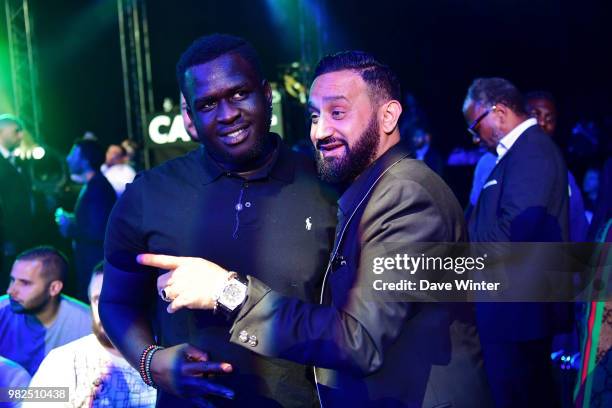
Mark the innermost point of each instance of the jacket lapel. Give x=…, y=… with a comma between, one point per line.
x=358, y=192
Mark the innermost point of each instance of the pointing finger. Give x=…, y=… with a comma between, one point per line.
x=159, y=261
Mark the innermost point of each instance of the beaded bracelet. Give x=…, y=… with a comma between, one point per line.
x=145, y=364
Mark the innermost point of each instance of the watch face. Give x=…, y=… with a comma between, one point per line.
x=233, y=294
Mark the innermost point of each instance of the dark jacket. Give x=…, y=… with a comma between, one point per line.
x=525, y=199
x=16, y=219
x=91, y=212
x=371, y=352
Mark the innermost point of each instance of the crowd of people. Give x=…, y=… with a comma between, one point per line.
x=234, y=274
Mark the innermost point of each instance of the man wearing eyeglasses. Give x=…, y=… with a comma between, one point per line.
x=524, y=199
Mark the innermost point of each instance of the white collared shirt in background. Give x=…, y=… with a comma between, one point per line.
x=507, y=141
x=119, y=175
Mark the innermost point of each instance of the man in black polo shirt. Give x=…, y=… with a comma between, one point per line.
x=371, y=346
x=244, y=200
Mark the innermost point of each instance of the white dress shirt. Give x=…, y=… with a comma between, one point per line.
x=507, y=141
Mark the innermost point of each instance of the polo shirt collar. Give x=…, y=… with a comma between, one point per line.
x=281, y=167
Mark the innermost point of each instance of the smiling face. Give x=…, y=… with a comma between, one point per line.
x=344, y=127
x=230, y=106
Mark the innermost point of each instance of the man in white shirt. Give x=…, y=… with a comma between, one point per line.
x=12, y=375
x=93, y=370
x=117, y=168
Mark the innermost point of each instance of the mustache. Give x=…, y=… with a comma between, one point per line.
x=327, y=141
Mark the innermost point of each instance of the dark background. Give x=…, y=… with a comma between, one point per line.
x=436, y=47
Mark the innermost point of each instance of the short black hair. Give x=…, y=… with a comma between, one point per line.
x=545, y=95
x=210, y=47
x=491, y=91
x=382, y=81
x=92, y=152
x=54, y=262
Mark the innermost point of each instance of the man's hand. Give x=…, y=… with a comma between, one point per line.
x=64, y=221
x=193, y=283
x=183, y=370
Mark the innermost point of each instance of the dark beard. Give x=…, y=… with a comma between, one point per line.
x=356, y=159
x=18, y=308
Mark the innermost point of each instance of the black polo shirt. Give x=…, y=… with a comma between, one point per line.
x=276, y=225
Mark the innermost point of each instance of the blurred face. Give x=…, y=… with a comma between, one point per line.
x=344, y=127
x=114, y=155
x=545, y=113
x=28, y=290
x=419, y=138
x=230, y=108
x=591, y=181
x=487, y=128
x=75, y=161
x=10, y=136
x=95, y=288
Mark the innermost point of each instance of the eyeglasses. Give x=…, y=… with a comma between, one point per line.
x=472, y=128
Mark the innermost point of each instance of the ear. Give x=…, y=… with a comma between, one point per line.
x=56, y=287
x=267, y=91
x=500, y=112
x=390, y=113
